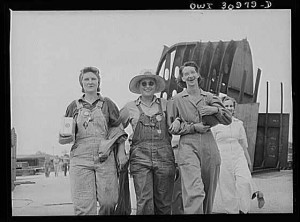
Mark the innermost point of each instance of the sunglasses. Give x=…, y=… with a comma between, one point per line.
x=149, y=83
x=90, y=69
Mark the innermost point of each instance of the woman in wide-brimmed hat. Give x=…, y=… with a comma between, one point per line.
x=93, y=170
x=152, y=162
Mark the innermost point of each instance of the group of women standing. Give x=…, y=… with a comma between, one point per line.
x=99, y=143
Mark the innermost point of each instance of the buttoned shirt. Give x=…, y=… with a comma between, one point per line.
x=130, y=113
x=181, y=106
x=109, y=109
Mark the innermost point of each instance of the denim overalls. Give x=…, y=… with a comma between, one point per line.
x=152, y=164
x=92, y=181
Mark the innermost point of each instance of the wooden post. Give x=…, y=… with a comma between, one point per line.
x=242, y=89
x=256, y=85
x=280, y=125
x=219, y=83
x=266, y=126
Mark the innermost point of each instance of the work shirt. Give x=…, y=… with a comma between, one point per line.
x=109, y=109
x=130, y=112
x=182, y=107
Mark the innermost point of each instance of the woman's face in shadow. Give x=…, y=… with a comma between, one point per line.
x=229, y=105
x=147, y=87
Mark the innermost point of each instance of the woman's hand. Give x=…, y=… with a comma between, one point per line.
x=200, y=128
x=208, y=110
x=63, y=139
x=175, y=126
x=65, y=135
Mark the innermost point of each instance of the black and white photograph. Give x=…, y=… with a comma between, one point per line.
x=151, y=112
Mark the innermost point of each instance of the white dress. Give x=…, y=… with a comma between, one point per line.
x=235, y=186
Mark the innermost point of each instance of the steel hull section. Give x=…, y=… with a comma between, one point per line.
x=221, y=65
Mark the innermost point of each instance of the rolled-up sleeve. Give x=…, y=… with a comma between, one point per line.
x=223, y=115
x=123, y=136
x=115, y=120
x=71, y=110
x=185, y=128
x=124, y=117
x=114, y=113
x=173, y=114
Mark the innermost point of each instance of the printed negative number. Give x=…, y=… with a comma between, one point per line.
x=201, y=6
x=250, y=4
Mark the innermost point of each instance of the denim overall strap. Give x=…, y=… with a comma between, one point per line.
x=91, y=124
x=137, y=128
x=79, y=106
x=164, y=127
x=99, y=104
x=150, y=128
x=140, y=109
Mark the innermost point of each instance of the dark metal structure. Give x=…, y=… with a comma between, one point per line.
x=35, y=164
x=227, y=68
x=271, y=149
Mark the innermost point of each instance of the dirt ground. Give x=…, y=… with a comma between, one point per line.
x=40, y=196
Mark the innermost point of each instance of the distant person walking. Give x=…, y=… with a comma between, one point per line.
x=65, y=164
x=56, y=165
x=47, y=166
x=61, y=168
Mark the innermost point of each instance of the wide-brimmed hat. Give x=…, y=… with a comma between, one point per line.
x=146, y=73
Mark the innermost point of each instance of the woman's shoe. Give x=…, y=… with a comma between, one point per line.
x=260, y=199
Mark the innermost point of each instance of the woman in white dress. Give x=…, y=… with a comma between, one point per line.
x=235, y=187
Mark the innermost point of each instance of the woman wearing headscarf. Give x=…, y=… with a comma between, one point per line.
x=152, y=162
x=235, y=186
x=93, y=171
x=191, y=113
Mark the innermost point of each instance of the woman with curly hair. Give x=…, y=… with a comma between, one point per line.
x=97, y=130
x=191, y=114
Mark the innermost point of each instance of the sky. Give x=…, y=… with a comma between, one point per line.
x=49, y=48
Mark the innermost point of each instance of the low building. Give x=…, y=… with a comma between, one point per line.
x=29, y=164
